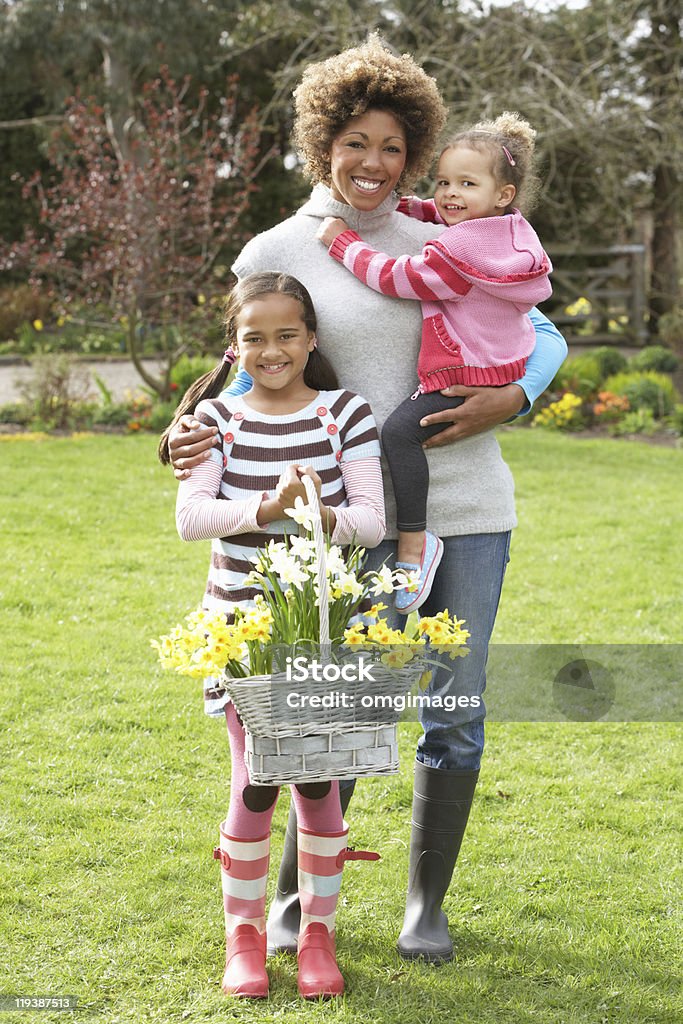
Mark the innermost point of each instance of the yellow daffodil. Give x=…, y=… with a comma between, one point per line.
x=397, y=657
x=354, y=636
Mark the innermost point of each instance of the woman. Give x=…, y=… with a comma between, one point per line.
x=367, y=123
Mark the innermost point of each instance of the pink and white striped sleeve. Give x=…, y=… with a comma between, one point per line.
x=363, y=521
x=201, y=515
x=420, y=209
x=428, y=276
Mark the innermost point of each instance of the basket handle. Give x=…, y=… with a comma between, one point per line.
x=321, y=558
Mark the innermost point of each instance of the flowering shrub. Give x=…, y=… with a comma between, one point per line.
x=140, y=411
x=610, y=360
x=56, y=392
x=21, y=304
x=655, y=357
x=588, y=319
x=610, y=407
x=581, y=375
x=26, y=435
x=147, y=413
x=565, y=414
x=187, y=370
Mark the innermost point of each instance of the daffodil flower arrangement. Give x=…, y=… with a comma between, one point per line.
x=561, y=415
x=287, y=612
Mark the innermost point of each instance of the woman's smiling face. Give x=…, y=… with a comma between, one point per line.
x=367, y=159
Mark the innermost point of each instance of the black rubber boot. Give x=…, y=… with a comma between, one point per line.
x=441, y=807
x=284, y=916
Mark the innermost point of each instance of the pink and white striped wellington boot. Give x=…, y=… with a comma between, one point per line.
x=244, y=874
x=321, y=859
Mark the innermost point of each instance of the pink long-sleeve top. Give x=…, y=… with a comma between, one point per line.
x=201, y=516
x=476, y=283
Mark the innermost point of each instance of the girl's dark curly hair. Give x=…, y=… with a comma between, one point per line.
x=366, y=77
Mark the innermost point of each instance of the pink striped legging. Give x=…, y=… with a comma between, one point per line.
x=251, y=807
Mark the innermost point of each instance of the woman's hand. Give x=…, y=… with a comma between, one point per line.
x=330, y=228
x=189, y=444
x=482, y=409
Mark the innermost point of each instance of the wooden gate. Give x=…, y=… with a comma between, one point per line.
x=612, y=280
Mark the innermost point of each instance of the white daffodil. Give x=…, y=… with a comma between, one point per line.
x=274, y=547
x=348, y=584
x=384, y=582
x=281, y=561
x=335, y=561
x=302, y=548
x=289, y=570
x=302, y=513
x=407, y=580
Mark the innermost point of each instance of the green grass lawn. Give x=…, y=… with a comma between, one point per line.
x=112, y=782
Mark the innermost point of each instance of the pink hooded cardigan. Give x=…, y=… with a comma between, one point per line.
x=476, y=282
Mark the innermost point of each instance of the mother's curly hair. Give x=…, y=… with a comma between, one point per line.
x=364, y=77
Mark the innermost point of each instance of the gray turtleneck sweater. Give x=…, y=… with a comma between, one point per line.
x=373, y=342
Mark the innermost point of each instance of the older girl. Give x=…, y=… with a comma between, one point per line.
x=294, y=421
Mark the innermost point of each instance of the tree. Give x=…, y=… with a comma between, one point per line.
x=601, y=83
x=662, y=61
x=602, y=86
x=49, y=49
x=138, y=233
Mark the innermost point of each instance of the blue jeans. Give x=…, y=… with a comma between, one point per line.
x=468, y=583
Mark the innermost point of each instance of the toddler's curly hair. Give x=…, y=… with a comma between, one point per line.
x=511, y=132
x=365, y=77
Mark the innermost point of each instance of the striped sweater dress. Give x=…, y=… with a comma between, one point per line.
x=253, y=449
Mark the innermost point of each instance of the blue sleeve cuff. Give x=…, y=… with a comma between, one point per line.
x=240, y=383
x=542, y=365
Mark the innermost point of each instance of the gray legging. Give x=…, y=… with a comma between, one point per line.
x=402, y=440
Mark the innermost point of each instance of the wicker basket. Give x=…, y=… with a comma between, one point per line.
x=296, y=744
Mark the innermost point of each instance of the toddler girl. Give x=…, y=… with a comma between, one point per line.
x=476, y=282
x=293, y=422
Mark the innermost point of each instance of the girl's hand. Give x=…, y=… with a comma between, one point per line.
x=327, y=513
x=330, y=228
x=189, y=444
x=317, y=482
x=482, y=409
x=289, y=487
